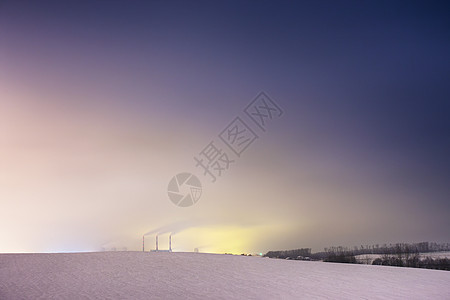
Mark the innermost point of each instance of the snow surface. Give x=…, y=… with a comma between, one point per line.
x=139, y=275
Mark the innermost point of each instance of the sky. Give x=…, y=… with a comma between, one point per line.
x=102, y=103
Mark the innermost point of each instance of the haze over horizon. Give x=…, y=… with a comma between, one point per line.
x=102, y=103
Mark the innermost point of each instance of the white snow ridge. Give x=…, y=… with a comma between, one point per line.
x=139, y=275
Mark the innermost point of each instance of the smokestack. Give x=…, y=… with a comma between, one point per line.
x=170, y=243
x=143, y=245
x=156, y=243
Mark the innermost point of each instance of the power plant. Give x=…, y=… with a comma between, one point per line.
x=156, y=244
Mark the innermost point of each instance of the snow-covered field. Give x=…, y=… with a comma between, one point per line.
x=138, y=275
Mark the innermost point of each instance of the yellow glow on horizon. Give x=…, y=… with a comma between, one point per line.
x=224, y=239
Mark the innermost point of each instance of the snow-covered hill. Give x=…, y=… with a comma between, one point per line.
x=138, y=275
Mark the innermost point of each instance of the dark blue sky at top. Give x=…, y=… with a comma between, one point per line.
x=363, y=79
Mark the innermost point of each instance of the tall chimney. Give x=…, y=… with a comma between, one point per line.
x=156, y=243
x=170, y=243
x=143, y=246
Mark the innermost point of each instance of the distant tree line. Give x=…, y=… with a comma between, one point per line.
x=413, y=262
x=406, y=256
x=422, y=247
x=400, y=254
x=292, y=254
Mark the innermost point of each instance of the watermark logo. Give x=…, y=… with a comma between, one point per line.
x=262, y=110
x=214, y=160
x=184, y=189
x=238, y=136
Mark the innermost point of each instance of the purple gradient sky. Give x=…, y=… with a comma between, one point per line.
x=102, y=103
